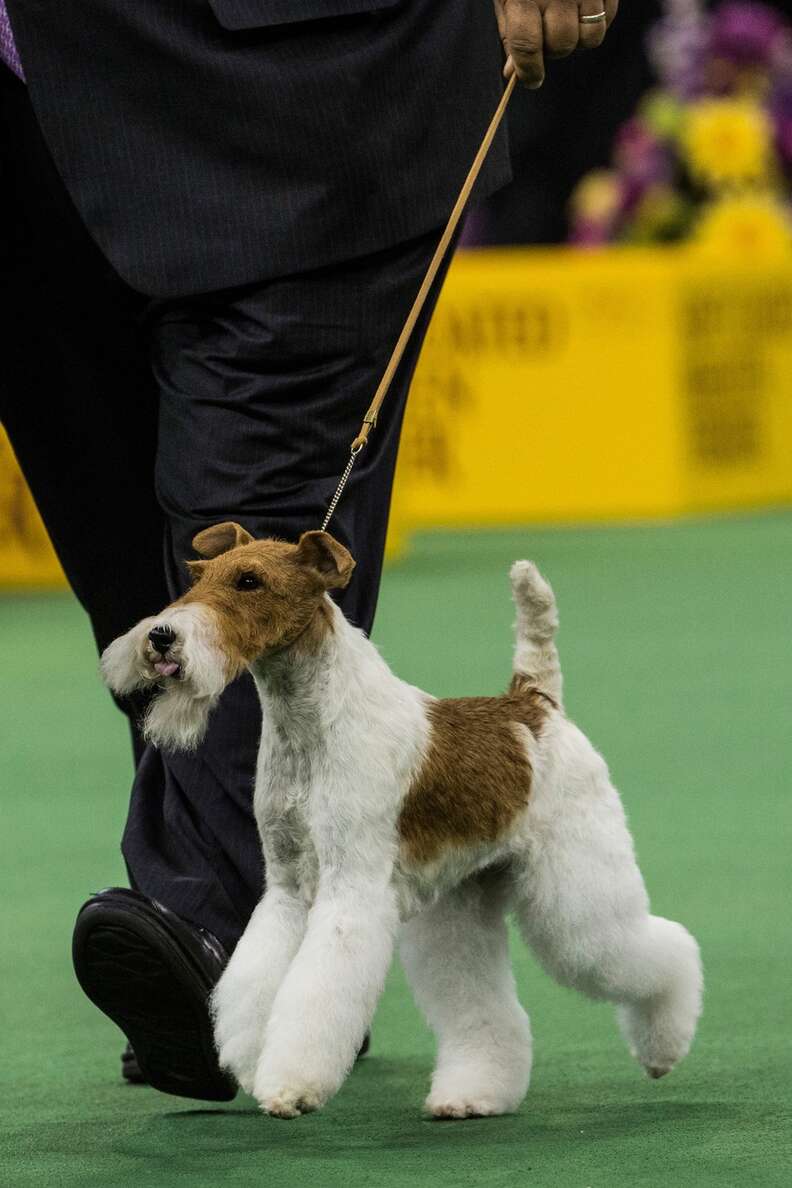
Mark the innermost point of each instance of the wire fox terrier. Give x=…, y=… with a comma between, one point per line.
x=384, y=811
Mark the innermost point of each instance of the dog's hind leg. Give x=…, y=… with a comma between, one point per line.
x=584, y=911
x=456, y=958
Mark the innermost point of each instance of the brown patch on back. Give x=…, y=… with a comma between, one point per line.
x=476, y=776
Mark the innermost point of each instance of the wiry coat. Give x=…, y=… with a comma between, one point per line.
x=387, y=813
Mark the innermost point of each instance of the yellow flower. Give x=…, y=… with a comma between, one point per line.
x=754, y=226
x=727, y=141
x=597, y=196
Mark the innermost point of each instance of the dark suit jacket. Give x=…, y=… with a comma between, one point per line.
x=209, y=143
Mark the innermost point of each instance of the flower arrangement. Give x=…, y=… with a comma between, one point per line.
x=708, y=154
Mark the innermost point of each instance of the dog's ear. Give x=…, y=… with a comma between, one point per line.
x=195, y=568
x=323, y=554
x=220, y=538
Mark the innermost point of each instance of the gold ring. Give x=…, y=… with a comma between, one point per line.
x=594, y=19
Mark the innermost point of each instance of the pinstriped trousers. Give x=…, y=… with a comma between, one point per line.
x=137, y=422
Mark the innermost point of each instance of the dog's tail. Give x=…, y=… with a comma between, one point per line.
x=535, y=654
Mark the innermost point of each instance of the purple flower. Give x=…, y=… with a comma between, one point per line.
x=746, y=32
x=781, y=111
x=678, y=47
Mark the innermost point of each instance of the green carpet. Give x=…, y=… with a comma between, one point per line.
x=676, y=649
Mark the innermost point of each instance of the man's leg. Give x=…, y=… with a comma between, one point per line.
x=262, y=389
x=77, y=397
x=80, y=407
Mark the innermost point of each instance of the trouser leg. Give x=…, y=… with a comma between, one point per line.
x=258, y=392
x=76, y=394
x=261, y=391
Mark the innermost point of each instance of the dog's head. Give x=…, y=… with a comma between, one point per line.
x=249, y=599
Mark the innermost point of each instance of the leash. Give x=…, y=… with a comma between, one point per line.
x=370, y=419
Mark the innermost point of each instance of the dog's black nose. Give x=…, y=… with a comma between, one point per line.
x=161, y=638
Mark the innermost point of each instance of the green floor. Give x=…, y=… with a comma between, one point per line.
x=676, y=648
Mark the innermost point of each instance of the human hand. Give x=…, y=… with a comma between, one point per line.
x=532, y=30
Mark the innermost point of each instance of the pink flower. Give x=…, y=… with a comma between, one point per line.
x=640, y=156
x=586, y=233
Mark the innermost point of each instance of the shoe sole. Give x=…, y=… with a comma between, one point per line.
x=136, y=970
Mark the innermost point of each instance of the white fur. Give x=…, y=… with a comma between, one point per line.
x=177, y=718
x=123, y=664
x=341, y=742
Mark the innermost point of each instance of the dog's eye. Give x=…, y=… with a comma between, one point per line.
x=247, y=581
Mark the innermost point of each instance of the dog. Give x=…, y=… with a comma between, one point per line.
x=386, y=813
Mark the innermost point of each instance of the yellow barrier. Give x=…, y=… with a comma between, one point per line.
x=26, y=555
x=561, y=386
x=556, y=385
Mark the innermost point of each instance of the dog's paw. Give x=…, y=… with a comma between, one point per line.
x=655, y=1071
x=238, y=1026
x=290, y=1101
x=659, y=1031
x=445, y=1108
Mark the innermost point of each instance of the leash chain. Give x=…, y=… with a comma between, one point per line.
x=370, y=419
x=342, y=483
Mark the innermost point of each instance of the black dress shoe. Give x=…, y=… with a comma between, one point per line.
x=152, y=973
x=130, y=1069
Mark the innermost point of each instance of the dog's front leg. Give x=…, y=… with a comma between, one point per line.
x=326, y=1001
x=243, y=997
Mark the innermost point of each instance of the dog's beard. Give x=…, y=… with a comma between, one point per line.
x=177, y=719
x=178, y=715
